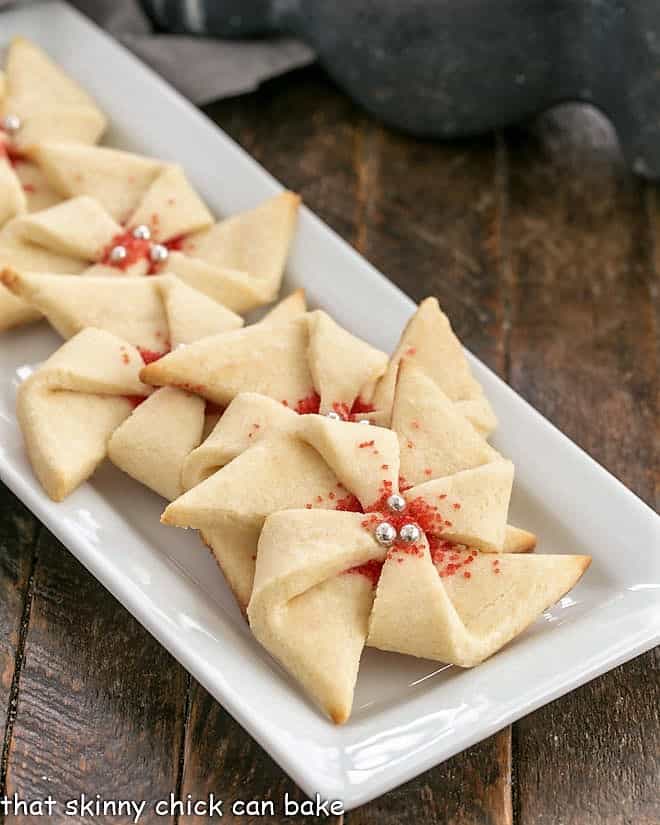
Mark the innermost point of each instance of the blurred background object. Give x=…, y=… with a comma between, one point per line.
x=434, y=69
x=443, y=69
x=201, y=68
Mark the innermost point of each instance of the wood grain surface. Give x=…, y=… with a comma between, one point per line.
x=100, y=702
x=583, y=347
x=546, y=255
x=18, y=533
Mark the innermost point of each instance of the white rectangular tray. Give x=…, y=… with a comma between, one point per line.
x=409, y=714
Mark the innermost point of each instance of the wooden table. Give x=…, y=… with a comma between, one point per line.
x=545, y=253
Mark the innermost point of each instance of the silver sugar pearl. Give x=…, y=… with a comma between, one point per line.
x=364, y=421
x=333, y=416
x=385, y=533
x=142, y=232
x=118, y=253
x=409, y=533
x=396, y=503
x=158, y=253
x=11, y=123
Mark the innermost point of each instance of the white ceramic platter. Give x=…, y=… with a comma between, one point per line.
x=409, y=714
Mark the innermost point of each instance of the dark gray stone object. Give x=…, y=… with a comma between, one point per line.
x=448, y=68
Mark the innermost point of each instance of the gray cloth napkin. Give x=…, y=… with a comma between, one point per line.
x=202, y=68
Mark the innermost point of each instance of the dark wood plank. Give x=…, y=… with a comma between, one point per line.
x=583, y=351
x=100, y=701
x=593, y=756
x=432, y=224
x=472, y=788
x=18, y=531
x=220, y=758
x=583, y=328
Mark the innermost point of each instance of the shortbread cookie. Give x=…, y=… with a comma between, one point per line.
x=428, y=342
x=294, y=361
x=423, y=541
x=263, y=448
x=41, y=102
x=325, y=586
x=80, y=235
x=38, y=101
x=70, y=406
x=436, y=438
x=154, y=314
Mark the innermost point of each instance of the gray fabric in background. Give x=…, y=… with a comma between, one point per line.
x=202, y=68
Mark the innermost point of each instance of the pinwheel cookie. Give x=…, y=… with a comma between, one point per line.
x=37, y=102
x=445, y=442
x=303, y=604
x=164, y=227
x=328, y=582
x=308, y=363
x=325, y=586
x=81, y=235
x=229, y=496
x=238, y=260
